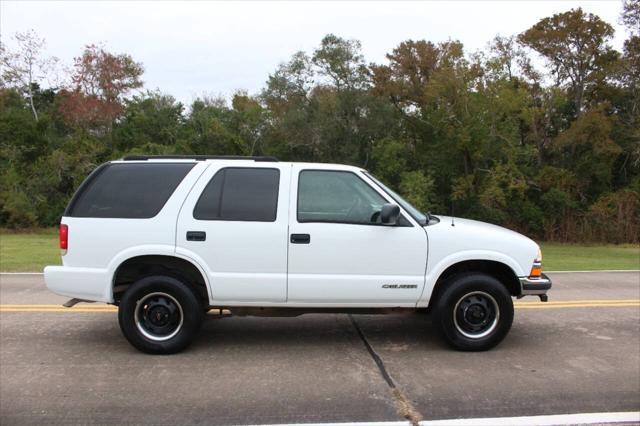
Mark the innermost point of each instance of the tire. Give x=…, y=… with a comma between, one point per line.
x=159, y=315
x=474, y=312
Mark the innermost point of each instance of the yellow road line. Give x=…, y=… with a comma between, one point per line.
x=578, y=304
x=63, y=310
x=56, y=308
x=105, y=306
x=565, y=302
x=556, y=304
x=99, y=306
x=574, y=305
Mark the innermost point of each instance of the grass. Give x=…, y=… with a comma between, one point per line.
x=28, y=252
x=573, y=257
x=32, y=251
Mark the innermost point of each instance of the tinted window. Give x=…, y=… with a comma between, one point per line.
x=243, y=194
x=335, y=196
x=128, y=191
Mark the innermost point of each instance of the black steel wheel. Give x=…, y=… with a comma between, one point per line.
x=474, y=312
x=159, y=315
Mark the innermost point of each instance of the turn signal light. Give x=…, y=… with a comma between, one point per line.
x=64, y=239
x=536, y=271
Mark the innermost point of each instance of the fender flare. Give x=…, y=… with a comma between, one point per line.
x=152, y=250
x=434, y=272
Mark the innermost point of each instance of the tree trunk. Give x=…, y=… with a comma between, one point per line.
x=33, y=107
x=579, y=100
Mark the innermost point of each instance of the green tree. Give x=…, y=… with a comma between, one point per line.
x=25, y=67
x=575, y=46
x=100, y=82
x=485, y=131
x=631, y=15
x=152, y=122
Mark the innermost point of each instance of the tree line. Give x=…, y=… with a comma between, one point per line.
x=539, y=132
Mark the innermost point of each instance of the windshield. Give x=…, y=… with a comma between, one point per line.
x=415, y=213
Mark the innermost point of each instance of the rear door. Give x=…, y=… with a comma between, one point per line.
x=234, y=222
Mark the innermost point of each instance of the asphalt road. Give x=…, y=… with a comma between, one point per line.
x=580, y=353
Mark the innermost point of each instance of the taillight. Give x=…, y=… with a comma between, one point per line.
x=64, y=238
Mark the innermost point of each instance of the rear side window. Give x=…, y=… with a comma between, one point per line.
x=240, y=194
x=128, y=191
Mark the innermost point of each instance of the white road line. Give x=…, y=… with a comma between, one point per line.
x=406, y=423
x=550, y=420
x=558, y=419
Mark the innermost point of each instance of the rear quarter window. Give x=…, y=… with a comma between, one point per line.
x=128, y=191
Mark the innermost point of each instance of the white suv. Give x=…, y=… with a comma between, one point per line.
x=167, y=238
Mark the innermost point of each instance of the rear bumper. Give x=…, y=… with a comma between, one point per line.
x=534, y=286
x=81, y=283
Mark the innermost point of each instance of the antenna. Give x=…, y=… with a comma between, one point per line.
x=452, y=217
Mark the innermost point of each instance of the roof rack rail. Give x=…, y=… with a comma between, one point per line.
x=198, y=157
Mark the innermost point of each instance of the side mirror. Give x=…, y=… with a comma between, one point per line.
x=389, y=214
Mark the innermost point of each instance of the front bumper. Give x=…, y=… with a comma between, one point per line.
x=535, y=286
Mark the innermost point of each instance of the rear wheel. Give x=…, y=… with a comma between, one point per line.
x=474, y=312
x=159, y=315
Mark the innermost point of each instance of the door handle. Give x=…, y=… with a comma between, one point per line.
x=196, y=236
x=300, y=238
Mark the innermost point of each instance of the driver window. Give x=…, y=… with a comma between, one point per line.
x=338, y=197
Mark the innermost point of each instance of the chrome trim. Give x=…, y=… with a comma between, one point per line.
x=493, y=325
x=526, y=281
x=148, y=334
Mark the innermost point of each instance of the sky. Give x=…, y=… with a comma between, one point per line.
x=190, y=49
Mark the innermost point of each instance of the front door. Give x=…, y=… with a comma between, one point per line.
x=234, y=223
x=339, y=252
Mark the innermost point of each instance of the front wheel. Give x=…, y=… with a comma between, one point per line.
x=159, y=315
x=474, y=312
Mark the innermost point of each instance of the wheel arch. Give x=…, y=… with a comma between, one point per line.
x=139, y=266
x=499, y=270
